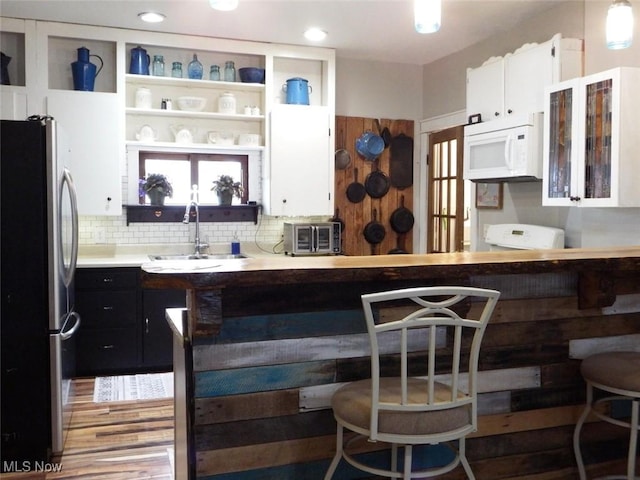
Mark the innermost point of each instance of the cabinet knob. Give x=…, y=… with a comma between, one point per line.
x=497, y=114
x=284, y=200
x=107, y=307
x=509, y=111
x=107, y=280
x=574, y=199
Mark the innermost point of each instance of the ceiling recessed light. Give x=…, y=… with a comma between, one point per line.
x=223, y=5
x=315, y=34
x=151, y=17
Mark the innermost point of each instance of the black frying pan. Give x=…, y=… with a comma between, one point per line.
x=402, y=218
x=384, y=133
x=374, y=231
x=377, y=183
x=399, y=248
x=355, y=190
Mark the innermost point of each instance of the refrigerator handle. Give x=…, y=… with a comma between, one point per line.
x=65, y=335
x=70, y=272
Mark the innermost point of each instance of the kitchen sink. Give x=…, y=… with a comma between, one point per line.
x=192, y=256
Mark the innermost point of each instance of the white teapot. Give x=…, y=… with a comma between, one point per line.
x=183, y=134
x=146, y=134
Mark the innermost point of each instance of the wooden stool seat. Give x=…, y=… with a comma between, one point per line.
x=617, y=373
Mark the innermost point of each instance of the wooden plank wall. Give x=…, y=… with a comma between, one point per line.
x=263, y=385
x=357, y=215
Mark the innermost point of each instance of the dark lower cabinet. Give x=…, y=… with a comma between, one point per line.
x=157, y=342
x=123, y=327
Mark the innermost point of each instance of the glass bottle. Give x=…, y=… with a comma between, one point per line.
x=229, y=71
x=214, y=73
x=194, y=69
x=176, y=70
x=158, y=65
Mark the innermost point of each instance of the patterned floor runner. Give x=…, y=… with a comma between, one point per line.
x=133, y=387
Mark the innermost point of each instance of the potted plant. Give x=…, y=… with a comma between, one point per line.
x=226, y=189
x=157, y=187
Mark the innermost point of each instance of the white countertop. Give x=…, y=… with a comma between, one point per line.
x=130, y=255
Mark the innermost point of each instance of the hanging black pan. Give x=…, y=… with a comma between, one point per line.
x=384, y=133
x=374, y=231
x=402, y=218
x=377, y=183
x=355, y=190
x=399, y=248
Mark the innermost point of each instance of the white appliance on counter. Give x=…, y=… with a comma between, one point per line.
x=508, y=150
x=520, y=236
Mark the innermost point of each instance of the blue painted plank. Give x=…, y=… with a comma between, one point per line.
x=290, y=325
x=214, y=383
x=424, y=456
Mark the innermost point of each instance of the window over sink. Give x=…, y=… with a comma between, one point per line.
x=186, y=169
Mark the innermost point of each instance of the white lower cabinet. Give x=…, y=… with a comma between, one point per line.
x=299, y=174
x=92, y=120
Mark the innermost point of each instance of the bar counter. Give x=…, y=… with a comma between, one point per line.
x=265, y=342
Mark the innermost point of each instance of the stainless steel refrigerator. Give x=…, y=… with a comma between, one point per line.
x=38, y=249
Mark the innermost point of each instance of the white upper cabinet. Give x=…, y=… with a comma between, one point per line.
x=104, y=121
x=514, y=84
x=92, y=121
x=591, y=141
x=300, y=179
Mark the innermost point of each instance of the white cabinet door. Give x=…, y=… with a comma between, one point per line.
x=527, y=72
x=591, y=141
x=13, y=104
x=300, y=180
x=92, y=121
x=485, y=90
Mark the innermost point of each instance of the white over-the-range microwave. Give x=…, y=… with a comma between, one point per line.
x=507, y=150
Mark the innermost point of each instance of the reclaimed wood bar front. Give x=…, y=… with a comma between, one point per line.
x=266, y=341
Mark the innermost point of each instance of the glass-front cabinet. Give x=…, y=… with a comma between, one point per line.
x=591, y=139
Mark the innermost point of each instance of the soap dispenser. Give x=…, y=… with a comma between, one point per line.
x=235, y=244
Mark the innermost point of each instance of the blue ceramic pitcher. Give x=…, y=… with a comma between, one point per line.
x=84, y=72
x=297, y=90
x=140, y=61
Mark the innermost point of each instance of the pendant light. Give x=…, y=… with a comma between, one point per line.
x=619, y=25
x=223, y=5
x=427, y=14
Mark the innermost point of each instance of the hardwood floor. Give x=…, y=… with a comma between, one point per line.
x=113, y=441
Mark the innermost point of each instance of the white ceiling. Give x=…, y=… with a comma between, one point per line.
x=365, y=29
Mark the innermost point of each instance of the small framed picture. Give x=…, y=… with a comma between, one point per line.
x=489, y=195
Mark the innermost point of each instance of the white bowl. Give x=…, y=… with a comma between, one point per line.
x=192, y=104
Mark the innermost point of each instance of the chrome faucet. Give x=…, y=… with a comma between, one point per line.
x=195, y=200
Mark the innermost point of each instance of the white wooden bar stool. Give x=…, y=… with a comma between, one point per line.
x=616, y=373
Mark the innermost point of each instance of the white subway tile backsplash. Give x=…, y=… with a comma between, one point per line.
x=114, y=230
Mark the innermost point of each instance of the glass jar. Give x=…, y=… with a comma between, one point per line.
x=194, y=69
x=214, y=73
x=158, y=65
x=227, y=103
x=229, y=71
x=176, y=70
